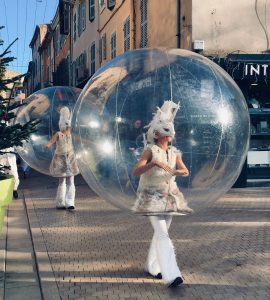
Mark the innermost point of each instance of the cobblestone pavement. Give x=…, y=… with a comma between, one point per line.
x=98, y=251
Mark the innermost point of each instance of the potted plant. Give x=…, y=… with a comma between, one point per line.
x=11, y=135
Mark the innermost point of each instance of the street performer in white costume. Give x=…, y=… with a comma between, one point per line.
x=64, y=164
x=158, y=195
x=8, y=159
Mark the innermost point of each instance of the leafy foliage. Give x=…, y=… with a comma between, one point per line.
x=11, y=135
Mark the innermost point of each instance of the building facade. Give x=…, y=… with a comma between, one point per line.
x=38, y=37
x=102, y=30
x=61, y=49
x=45, y=59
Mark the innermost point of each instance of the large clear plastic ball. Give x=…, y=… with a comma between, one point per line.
x=43, y=105
x=212, y=125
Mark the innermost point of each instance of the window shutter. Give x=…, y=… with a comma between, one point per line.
x=113, y=45
x=64, y=12
x=104, y=42
x=91, y=10
x=127, y=34
x=143, y=24
x=93, y=59
x=79, y=19
x=100, y=51
x=83, y=8
x=74, y=27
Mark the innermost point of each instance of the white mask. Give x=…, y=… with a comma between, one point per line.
x=65, y=118
x=163, y=121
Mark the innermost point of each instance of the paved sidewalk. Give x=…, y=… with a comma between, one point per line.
x=98, y=251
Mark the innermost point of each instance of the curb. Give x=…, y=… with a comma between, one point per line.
x=3, y=252
x=48, y=284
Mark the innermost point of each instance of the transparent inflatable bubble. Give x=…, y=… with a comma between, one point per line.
x=44, y=105
x=212, y=125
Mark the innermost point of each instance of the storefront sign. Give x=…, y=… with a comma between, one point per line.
x=246, y=66
x=256, y=69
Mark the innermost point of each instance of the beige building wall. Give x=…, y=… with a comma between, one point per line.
x=162, y=23
x=88, y=36
x=113, y=21
x=228, y=26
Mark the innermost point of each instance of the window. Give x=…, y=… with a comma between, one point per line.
x=48, y=73
x=81, y=17
x=111, y=4
x=83, y=14
x=92, y=59
x=100, y=51
x=113, y=45
x=49, y=51
x=91, y=10
x=126, y=34
x=101, y=3
x=74, y=28
x=64, y=13
x=143, y=24
x=62, y=40
x=104, y=46
x=79, y=11
x=57, y=40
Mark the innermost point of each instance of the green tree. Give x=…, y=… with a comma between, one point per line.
x=11, y=134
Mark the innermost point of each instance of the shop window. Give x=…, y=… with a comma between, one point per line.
x=143, y=23
x=126, y=34
x=113, y=45
x=91, y=10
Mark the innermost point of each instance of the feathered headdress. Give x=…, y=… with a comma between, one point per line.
x=162, y=121
x=65, y=118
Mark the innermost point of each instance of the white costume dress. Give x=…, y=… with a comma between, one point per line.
x=64, y=162
x=64, y=165
x=158, y=192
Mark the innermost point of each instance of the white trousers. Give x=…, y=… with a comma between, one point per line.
x=65, y=196
x=161, y=257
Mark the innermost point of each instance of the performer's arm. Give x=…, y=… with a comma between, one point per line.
x=51, y=141
x=181, y=169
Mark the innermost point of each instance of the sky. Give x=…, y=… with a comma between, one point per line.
x=20, y=18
